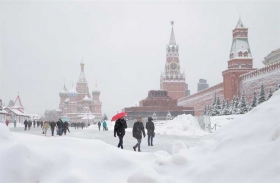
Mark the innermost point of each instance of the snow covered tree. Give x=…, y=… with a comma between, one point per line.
x=205, y=110
x=104, y=117
x=215, y=99
x=226, y=110
x=261, y=98
x=235, y=105
x=270, y=94
x=243, y=105
x=254, y=102
x=224, y=104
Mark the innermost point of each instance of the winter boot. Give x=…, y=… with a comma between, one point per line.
x=134, y=148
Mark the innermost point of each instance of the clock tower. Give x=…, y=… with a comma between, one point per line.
x=172, y=79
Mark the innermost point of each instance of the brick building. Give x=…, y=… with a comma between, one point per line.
x=158, y=102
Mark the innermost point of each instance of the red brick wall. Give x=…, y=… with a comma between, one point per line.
x=269, y=76
x=175, y=90
x=202, y=98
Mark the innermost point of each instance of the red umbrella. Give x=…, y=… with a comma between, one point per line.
x=118, y=116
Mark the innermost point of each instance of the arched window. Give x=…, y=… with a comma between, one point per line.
x=245, y=54
x=240, y=54
x=173, y=49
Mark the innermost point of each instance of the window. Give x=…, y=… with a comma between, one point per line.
x=240, y=54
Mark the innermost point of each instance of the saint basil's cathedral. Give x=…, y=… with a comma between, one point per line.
x=78, y=104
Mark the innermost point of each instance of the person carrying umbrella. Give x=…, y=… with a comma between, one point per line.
x=120, y=127
x=138, y=129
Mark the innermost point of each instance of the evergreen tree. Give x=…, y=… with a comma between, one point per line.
x=227, y=110
x=235, y=107
x=270, y=94
x=261, y=98
x=105, y=118
x=254, y=102
x=215, y=99
x=243, y=104
x=224, y=104
x=205, y=110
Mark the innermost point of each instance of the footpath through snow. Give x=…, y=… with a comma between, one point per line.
x=245, y=150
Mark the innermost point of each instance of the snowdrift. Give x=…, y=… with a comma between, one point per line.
x=245, y=150
x=184, y=124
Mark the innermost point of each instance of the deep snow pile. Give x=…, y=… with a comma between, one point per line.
x=184, y=124
x=246, y=150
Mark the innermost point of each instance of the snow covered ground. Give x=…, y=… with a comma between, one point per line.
x=220, y=121
x=245, y=150
x=185, y=125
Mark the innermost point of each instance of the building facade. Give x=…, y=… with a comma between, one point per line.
x=77, y=104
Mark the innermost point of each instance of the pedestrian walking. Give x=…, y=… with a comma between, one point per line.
x=104, y=124
x=119, y=130
x=150, y=126
x=138, y=129
x=60, y=127
x=65, y=127
x=99, y=124
x=82, y=124
x=41, y=124
x=15, y=123
x=25, y=124
x=38, y=124
x=7, y=122
x=34, y=123
x=52, y=127
x=45, y=128
x=29, y=124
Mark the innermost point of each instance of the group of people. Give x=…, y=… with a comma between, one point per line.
x=61, y=127
x=137, y=131
x=104, y=125
x=29, y=124
x=78, y=125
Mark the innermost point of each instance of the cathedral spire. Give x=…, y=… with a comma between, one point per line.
x=172, y=40
x=239, y=23
x=82, y=77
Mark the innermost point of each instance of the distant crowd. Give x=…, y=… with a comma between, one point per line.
x=59, y=126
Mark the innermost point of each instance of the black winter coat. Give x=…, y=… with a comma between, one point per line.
x=52, y=125
x=120, y=127
x=150, y=126
x=138, y=129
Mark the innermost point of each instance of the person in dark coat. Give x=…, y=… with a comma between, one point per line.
x=150, y=126
x=52, y=127
x=41, y=124
x=119, y=130
x=138, y=129
x=65, y=127
x=34, y=123
x=38, y=122
x=29, y=124
x=60, y=127
x=82, y=125
x=25, y=124
x=99, y=124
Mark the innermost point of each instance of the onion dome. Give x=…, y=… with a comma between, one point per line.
x=95, y=90
x=64, y=92
x=72, y=93
x=86, y=99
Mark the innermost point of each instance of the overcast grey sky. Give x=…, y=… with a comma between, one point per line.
x=123, y=46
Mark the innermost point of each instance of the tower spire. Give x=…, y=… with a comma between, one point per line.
x=172, y=40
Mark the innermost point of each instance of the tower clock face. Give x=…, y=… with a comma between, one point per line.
x=173, y=66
